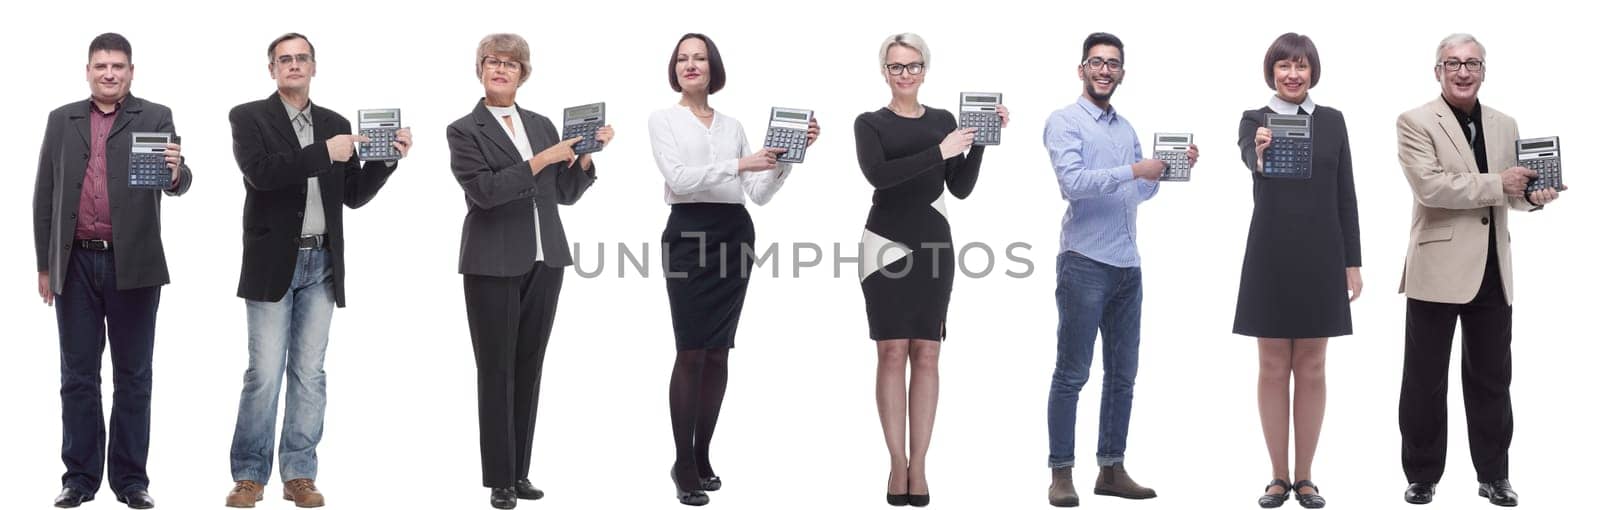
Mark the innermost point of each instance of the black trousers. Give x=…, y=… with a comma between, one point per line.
x=510, y=320
x=1485, y=381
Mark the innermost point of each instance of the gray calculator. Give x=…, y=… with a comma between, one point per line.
x=584, y=121
x=981, y=111
x=379, y=126
x=1289, y=155
x=786, y=129
x=1173, y=149
x=147, y=161
x=1543, y=156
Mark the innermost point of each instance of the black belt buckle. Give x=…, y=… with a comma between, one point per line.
x=95, y=244
x=314, y=242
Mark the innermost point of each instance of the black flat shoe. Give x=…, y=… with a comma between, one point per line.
x=504, y=499
x=695, y=497
x=899, y=499
x=1499, y=493
x=1270, y=500
x=710, y=483
x=1419, y=493
x=1312, y=500
x=918, y=500
x=137, y=498
x=526, y=490
x=71, y=497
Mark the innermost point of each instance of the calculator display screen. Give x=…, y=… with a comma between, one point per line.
x=980, y=99
x=1289, y=122
x=585, y=111
x=1538, y=145
x=150, y=139
x=381, y=116
x=1173, y=139
x=790, y=115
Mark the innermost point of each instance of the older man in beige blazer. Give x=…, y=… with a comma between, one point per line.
x=1460, y=159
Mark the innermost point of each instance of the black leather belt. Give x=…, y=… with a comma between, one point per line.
x=93, y=244
x=315, y=242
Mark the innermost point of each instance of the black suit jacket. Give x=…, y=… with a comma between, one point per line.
x=135, y=213
x=275, y=172
x=502, y=193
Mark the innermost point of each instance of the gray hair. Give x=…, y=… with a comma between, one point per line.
x=1454, y=40
x=511, y=45
x=907, y=40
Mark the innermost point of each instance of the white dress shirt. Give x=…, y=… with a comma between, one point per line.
x=701, y=164
x=519, y=137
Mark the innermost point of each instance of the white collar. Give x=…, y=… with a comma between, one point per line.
x=1278, y=105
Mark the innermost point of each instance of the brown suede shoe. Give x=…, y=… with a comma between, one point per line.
x=1114, y=481
x=303, y=492
x=1061, y=491
x=245, y=494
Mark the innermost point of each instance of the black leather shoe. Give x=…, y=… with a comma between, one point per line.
x=1312, y=500
x=1499, y=493
x=137, y=497
x=694, y=497
x=1420, y=493
x=526, y=490
x=918, y=500
x=1270, y=500
x=899, y=499
x=71, y=497
x=710, y=483
x=504, y=499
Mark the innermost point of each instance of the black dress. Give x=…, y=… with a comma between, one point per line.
x=1303, y=234
x=908, y=294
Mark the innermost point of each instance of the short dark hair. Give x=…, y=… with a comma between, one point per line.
x=1102, y=38
x=1292, y=47
x=718, y=75
x=290, y=37
x=111, y=41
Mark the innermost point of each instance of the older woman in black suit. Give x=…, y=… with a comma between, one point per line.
x=514, y=169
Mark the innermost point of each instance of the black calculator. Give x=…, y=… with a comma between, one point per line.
x=1173, y=149
x=584, y=121
x=1289, y=155
x=981, y=111
x=147, y=161
x=786, y=129
x=1543, y=156
x=379, y=126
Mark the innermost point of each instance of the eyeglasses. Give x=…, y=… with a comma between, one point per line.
x=303, y=58
x=1097, y=63
x=1473, y=66
x=899, y=69
x=508, y=65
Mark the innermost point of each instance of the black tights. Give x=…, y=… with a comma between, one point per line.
x=699, y=380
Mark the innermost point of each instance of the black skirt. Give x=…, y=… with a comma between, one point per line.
x=708, y=256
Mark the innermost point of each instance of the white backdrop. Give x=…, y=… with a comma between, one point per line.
x=799, y=429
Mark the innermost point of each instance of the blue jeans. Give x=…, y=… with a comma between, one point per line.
x=89, y=310
x=292, y=332
x=1093, y=296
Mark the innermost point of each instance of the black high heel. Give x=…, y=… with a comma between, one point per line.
x=918, y=500
x=695, y=497
x=1312, y=500
x=710, y=483
x=899, y=499
x=1270, y=500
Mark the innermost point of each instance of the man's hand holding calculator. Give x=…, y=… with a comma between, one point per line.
x=174, y=156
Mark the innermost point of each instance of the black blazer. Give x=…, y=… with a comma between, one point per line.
x=275, y=171
x=135, y=213
x=497, y=235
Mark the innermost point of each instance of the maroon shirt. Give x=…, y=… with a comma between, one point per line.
x=94, y=207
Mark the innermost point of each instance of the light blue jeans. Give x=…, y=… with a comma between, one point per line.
x=291, y=333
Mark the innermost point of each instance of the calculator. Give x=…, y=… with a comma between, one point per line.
x=1543, y=156
x=584, y=121
x=1289, y=155
x=786, y=129
x=981, y=111
x=147, y=161
x=379, y=126
x=1173, y=149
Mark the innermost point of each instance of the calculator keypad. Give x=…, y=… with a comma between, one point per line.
x=1549, y=173
x=148, y=170
x=380, y=147
x=586, y=130
x=1177, y=165
x=987, y=125
x=792, y=139
x=1287, y=157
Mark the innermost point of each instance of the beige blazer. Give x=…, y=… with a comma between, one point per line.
x=1453, y=202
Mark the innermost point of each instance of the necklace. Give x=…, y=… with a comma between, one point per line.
x=918, y=112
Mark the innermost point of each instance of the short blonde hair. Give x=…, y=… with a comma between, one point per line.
x=907, y=40
x=512, y=45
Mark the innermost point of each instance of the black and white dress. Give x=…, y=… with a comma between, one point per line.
x=706, y=190
x=907, y=257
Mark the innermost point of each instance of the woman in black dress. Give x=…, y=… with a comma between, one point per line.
x=909, y=154
x=1302, y=266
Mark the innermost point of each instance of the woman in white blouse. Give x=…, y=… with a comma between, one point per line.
x=709, y=169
